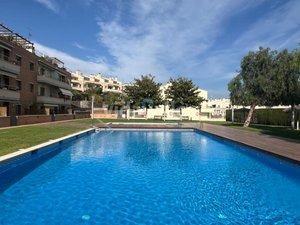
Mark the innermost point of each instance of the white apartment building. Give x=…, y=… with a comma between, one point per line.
x=215, y=109
x=165, y=112
x=80, y=81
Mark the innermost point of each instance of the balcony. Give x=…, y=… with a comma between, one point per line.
x=112, y=90
x=53, y=100
x=9, y=68
x=57, y=83
x=9, y=94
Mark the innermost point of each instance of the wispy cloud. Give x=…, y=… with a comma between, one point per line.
x=278, y=28
x=172, y=38
x=178, y=38
x=81, y=47
x=50, y=4
x=74, y=63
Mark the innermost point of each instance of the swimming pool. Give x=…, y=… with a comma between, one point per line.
x=150, y=177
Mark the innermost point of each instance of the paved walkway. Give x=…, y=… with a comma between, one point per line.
x=283, y=147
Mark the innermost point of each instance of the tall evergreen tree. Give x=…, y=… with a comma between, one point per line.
x=288, y=72
x=257, y=83
x=144, y=92
x=183, y=93
x=113, y=100
x=94, y=90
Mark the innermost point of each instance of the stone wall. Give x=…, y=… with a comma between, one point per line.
x=105, y=116
x=4, y=121
x=31, y=119
x=82, y=116
x=60, y=117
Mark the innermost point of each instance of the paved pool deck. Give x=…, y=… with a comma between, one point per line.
x=282, y=147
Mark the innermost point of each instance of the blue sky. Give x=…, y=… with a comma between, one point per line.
x=200, y=39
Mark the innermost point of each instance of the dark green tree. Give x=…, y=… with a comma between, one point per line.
x=288, y=71
x=79, y=95
x=113, y=100
x=94, y=90
x=183, y=93
x=257, y=83
x=144, y=92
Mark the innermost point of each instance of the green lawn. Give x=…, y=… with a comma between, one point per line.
x=13, y=139
x=280, y=131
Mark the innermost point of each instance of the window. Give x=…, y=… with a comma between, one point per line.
x=42, y=91
x=31, y=109
x=18, y=60
x=31, y=87
x=31, y=66
x=6, y=81
x=42, y=71
x=63, y=78
x=18, y=109
x=4, y=54
x=19, y=85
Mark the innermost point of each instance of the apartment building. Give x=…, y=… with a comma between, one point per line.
x=81, y=81
x=167, y=113
x=215, y=108
x=18, y=72
x=54, y=86
x=29, y=82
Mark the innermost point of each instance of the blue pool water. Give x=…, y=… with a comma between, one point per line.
x=151, y=177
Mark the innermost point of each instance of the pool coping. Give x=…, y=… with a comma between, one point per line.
x=140, y=127
x=34, y=148
x=147, y=129
x=21, y=152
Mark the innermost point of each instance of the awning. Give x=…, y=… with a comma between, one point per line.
x=66, y=92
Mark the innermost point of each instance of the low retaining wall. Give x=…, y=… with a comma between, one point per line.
x=4, y=121
x=31, y=119
x=82, y=116
x=60, y=117
x=105, y=116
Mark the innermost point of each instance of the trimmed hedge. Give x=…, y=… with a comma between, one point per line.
x=262, y=116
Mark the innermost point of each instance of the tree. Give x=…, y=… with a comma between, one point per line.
x=94, y=90
x=183, y=93
x=113, y=100
x=79, y=95
x=144, y=92
x=288, y=71
x=257, y=83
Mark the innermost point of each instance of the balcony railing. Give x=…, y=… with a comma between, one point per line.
x=54, y=82
x=112, y=90
x=10, y=68
x=53, y=100
x=9, y=93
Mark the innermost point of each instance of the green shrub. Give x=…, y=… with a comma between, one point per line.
x=278, y=117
